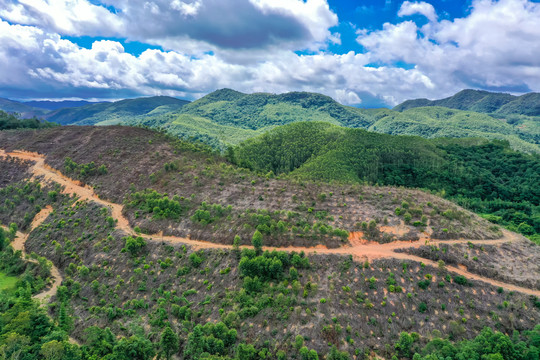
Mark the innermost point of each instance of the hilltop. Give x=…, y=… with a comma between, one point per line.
x=24, y=110
x=482, y=101
x=227, y=117
x=112, y=113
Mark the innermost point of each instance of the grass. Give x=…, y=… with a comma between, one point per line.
x=7, y=282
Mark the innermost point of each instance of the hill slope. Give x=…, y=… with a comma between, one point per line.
x=482, y=101
x=126, y=294
x=487, y=177
x=24, y=110
x=55, y=105
x=112, y=113
x=214, y=117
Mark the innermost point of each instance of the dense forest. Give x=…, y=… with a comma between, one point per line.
x=487, y=177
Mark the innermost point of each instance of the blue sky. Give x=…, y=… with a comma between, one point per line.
x=364, y=53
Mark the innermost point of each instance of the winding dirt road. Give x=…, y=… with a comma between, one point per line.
x=20, y=241
x=359, y=249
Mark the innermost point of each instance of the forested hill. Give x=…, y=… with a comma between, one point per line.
x=24, y=110
x=113, y=113
x=228, y=117
x=484, y=102
x=259, y=110
x=487, y=177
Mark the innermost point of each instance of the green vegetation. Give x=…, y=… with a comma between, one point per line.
x=159, y=205
x=488, y=344
x=83, y=170
x=484, y=102
x=227, y=117
x=112, y=113
x=486, y=177
x=10, y=122
x=7, y=283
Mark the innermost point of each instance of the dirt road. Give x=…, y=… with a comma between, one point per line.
x=358, y=248
x=18, y=244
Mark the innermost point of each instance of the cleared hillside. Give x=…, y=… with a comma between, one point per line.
x=354, y=298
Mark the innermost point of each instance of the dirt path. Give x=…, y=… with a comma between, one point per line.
x=358, y=248
x=18, y=244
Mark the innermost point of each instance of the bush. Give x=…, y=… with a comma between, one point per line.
x=134, y=245
x=461, y=280
x=195, y=259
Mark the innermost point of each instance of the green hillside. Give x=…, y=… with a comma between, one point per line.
x=482, y=101
x=227, y=117
x=112, y=113
x=487, y=177
x=432, y=122
x=25, y=111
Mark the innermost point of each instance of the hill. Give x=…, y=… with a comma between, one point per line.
x=487, y=177
x=112, y=113
x=141, y=228
x=55, y=105
x=482, y=101
x=24, y=110
x=214, y=118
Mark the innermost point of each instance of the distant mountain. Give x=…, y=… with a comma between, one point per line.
x=482, y=101
x=24, y=110
x=112, y=113
x=55, y=105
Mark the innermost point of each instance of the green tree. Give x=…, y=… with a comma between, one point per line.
x=52, y=350
x=133, y=348
x=257, y=241
x=3, y=240
x=169, y=342
x=236, y=246
x=65, y=322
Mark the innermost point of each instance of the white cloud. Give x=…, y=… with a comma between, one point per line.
x=186, y=8
x=106, y=68
x=497, y=46
x=411, y=8
x=197, y=26
x=67, y=17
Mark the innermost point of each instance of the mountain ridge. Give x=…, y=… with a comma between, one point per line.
x=482, y=101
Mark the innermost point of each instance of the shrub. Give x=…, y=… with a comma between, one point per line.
x=461, y=280
x=134, y=245
x=422, y=307
x=195, y=259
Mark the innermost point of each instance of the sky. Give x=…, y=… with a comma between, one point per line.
x=365, y=53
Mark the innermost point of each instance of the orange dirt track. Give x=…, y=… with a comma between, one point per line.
x=358, y=248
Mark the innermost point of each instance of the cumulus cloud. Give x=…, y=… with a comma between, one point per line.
x=411, y=8
x=250, y=45
x=495, y=47
x=106, y=67
x=195, y=26
x=66, y=17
